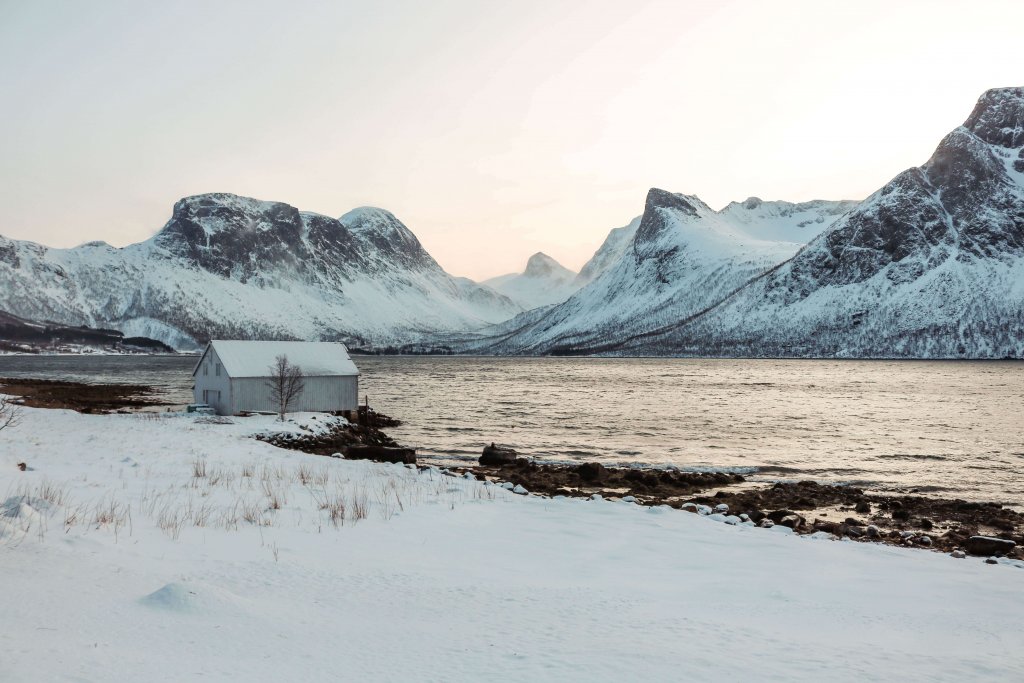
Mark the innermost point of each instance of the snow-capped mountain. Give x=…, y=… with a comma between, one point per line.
x=234, y=267
x=930, y=265
x=544, y=282
x=679, y=258
x=609, y=252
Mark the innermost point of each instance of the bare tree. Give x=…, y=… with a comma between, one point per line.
x=286, y=384
x=10, y=413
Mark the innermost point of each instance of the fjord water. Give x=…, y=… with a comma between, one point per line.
x=954, y=429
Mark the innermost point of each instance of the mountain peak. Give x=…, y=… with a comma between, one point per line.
x=544, y=282
x=368, y=217
x=210, y=202
x=388, y=235
x=221, y=230
x=998, y=117
x=662, y=199
x=664, y=209
x=541, y=265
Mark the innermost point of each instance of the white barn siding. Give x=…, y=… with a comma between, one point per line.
x=232, y=376
x=321, y=394
x=211, y=387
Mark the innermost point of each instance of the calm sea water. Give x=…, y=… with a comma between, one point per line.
x=949, y=428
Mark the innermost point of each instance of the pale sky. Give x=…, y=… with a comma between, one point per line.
x=492, y=129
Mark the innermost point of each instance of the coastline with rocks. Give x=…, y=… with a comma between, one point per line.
x=954, y=526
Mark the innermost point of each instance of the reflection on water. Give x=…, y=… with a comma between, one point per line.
x=954, y=428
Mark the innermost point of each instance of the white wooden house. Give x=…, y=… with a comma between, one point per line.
x=233, y=376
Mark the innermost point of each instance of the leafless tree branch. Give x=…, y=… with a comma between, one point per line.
x=10, y=413
x=286, y=383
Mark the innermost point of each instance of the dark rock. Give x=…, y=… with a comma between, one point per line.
x=927, y=524
x=756, y=516
x=22, y=466
x=1003, y=524
x=900, y=514
x=793, y=521
x=988, y=545
x=592, y=472
x=406, y=456
x=854, y=531
x=777, y=515
x=853, y=522
x=496, y=456
x=863, y=507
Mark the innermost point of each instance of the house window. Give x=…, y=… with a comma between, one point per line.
x=218, y=369
x=206, y=368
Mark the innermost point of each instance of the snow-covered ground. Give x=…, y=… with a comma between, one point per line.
x=162, y=549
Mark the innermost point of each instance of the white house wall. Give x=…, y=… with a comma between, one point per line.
x=207, y=380
x=320, y=394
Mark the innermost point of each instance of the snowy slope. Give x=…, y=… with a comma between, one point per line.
x=545, y=281
x=931, y=265
x=678, y=259
x=119, y=563
x=609, y=252
x=233, y=267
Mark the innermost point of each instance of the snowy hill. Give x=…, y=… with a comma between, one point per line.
x=544, y=282
x=234, y=267
x=930, y=265
x=173, y=549
x=677, y=259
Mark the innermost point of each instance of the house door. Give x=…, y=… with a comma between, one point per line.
x=211, y=396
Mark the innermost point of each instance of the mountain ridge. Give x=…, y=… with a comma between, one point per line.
x=677, y=258
x=238, y=267
x=930, y=265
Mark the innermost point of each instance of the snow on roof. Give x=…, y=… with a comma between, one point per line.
x=254, y=358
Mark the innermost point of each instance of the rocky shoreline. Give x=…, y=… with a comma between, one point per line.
x=947, y=525
x=954, y=526
x=360, y=439
x=85, y=398
x=844, y=512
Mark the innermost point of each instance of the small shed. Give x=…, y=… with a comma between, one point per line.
x=234, y=376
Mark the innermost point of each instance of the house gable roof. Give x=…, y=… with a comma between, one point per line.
x=254, y=358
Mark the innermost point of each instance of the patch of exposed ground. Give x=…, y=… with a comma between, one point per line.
x=85, y=398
